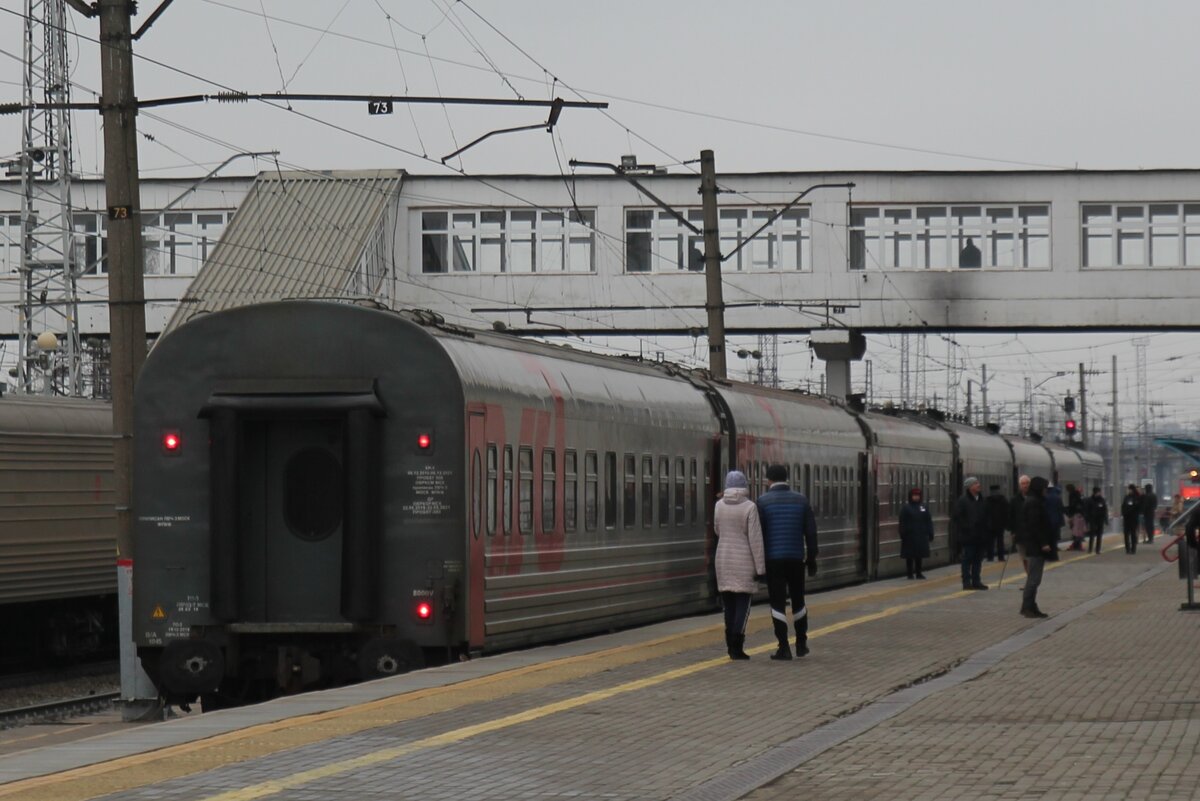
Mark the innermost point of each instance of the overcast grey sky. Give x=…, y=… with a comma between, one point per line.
x=934, y=84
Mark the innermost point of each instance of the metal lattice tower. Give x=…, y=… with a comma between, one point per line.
x=905, y=373
x=49, y=258
x=768, y=363
x=920, y=393
x=952, y=378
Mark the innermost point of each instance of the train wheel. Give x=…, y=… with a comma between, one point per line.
x=388, y=657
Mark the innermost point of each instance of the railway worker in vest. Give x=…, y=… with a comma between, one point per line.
x=916, y=532
x=970, y=519
x=790, y=536
x=1041, y=544
x=740, y=560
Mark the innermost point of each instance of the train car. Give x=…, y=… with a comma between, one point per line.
x=1068, y=466
x=57, y=525
x=1030, y=459
x=907, y=453
x=825, y=452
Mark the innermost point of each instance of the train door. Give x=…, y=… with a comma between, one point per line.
x=292, y=515
x=866, y=518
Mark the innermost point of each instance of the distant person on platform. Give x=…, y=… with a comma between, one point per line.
x=970, y=256
x=739, y=558
x=916, y=533
x=996, y=506
x=1131, y=515
x=1075, y=518
x=1041, y=544
x=1095, y=513
x=970, y=522
x=790, y=538
x=1054, y=511
x=1016, y=523
x=1149, y=508
x=1176, y=511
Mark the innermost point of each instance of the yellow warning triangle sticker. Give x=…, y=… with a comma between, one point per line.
x=158, y=613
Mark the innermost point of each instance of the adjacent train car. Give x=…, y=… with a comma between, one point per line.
x=327, y=491
x=57, y=525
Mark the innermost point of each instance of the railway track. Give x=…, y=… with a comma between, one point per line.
x=56, y=710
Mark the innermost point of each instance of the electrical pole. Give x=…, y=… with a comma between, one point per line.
x=983, y=396
x=714, y=301
x=126, y=309
x=1083, y=424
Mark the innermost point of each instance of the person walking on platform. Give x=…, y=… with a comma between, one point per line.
x=1149, y=509
x=1041, y=544
x=996, y=507
x=1016, y=521
x=1131, y=515
x=1075, y=518
x=739, y=559
x=916, y=532
x=1095, y=513
x=1054, y=510
x=790, y=538
x=970, y=522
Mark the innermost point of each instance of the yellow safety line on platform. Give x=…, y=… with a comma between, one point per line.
x=274, y=786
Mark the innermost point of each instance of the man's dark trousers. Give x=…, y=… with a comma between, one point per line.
x=785, y=577
x=972, y=563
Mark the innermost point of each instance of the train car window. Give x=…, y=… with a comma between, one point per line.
x=591, y=494
x=845, y=491
x=525, y=487
x=570, y=487
x=647, y=491
x=692, y=491
x=664, y=491
x=610, y=490
x=680, y=492
x=506, y=501
x=610, y=493
x=492, y=477
x=549, y=475
x=630, y=490
x=808, y=481
x=825, y=501
x=476, y=493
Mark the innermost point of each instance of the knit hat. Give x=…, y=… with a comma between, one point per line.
x=972, y=480
x=736, y=479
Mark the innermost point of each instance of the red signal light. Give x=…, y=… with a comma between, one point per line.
x=424, y=611
x=1070, y=425
x=171, y=441
x=424, y=441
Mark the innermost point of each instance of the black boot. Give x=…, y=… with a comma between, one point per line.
x=735, y=643
x=784, y=653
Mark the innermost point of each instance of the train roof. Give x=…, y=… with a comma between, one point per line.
x=34, y=414
x=906, y=432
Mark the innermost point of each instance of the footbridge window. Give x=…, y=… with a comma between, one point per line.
x=1141, y=234
x=999, y=237
x=508, y=241
x=656, y=241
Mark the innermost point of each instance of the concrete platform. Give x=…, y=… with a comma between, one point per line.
x=912, y=690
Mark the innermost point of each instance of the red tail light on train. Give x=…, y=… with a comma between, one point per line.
x=171, y=442
x=424, y=611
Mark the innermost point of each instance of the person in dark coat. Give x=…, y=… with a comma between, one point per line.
x=1131, y=515
x=1041, y=544
x=1015, y=519
x=789, y=530
x=1075, y=518
x=997, y=516
x=1095, y=513
x=970, y=523
x=1054, y=509
x=916, y=532
x=1149, y=509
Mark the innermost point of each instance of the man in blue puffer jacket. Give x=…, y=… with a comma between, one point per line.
x=789, y=531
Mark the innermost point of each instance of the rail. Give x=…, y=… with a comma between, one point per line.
x=57, y=710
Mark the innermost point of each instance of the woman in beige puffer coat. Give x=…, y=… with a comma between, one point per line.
x=739, y=558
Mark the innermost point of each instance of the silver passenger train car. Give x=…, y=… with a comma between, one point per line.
x=327, y=491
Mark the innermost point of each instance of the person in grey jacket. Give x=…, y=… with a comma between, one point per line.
x=740, y=559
